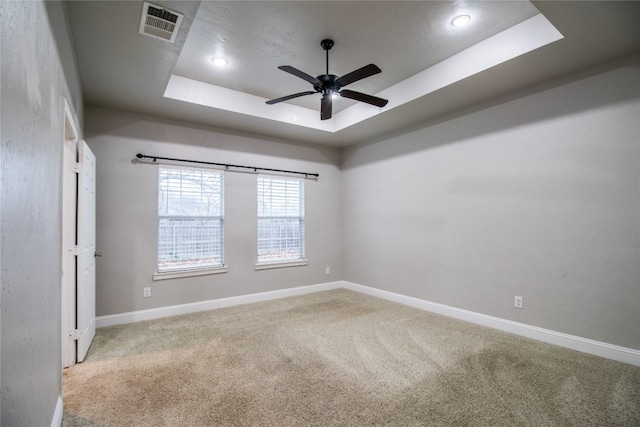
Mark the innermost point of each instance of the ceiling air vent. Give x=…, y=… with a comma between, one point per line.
x=159, y=22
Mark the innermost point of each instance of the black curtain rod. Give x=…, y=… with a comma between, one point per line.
x=226, y=165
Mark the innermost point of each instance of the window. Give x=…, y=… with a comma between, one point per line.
x=190, y=219
x=280, y=219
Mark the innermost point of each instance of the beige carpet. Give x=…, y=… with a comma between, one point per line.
x=339, y=358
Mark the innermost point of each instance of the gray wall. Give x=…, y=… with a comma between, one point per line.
x=127, y=210
x=36, y=53
x=538, y=197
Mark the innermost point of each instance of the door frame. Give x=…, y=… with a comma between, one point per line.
x=69, y=202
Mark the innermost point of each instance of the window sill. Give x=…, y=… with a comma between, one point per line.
x=189, y=273
x=269, y=265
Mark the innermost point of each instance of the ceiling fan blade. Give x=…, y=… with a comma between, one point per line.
x=359, y=74
x=288, y=97
x=326, y=107
x=289, y=69
x=363, y=97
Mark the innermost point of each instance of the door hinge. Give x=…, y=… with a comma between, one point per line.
x=74, y=250
x=75, y=167
x=74, y=334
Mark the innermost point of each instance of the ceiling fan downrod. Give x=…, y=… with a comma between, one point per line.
x=328, y=86
x=327, y=44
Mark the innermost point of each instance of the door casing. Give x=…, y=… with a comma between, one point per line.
x=69, y=227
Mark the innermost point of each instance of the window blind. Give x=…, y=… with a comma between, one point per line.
x=190, y=219
x=280, y=219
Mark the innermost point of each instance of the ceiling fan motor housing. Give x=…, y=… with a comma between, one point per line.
x=327, y=84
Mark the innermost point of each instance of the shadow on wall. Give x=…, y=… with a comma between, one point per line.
x=129, y=124
x=600, y=94
x=57, y=13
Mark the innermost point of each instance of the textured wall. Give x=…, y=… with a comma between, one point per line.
x=127, y=205
x=537, y=197
x=33, y=82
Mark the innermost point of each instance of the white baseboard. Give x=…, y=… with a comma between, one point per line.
x=174, y=310
x=585, y=345
x=57, y=415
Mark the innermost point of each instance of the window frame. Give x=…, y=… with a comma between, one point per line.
x=300, y=218
x=161, y=274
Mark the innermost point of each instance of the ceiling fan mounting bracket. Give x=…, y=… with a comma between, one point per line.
x=326, y=44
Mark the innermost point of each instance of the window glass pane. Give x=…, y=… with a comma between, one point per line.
x=190, y=214
x=280, y=219
x=280, y=239
x=189, y=243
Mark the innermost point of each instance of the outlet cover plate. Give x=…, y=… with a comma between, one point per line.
x=518, y=302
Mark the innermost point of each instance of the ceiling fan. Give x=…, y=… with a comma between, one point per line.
x=331, y=85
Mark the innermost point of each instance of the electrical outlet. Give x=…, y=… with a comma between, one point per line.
x=147, y=292
x=518, y=302
x=327, y=270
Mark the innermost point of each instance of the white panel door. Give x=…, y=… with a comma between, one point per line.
x=86, y=283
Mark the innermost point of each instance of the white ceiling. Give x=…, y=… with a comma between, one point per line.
x=429, y=67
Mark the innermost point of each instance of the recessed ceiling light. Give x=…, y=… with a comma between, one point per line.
x=219, y=62
x=461, y=20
